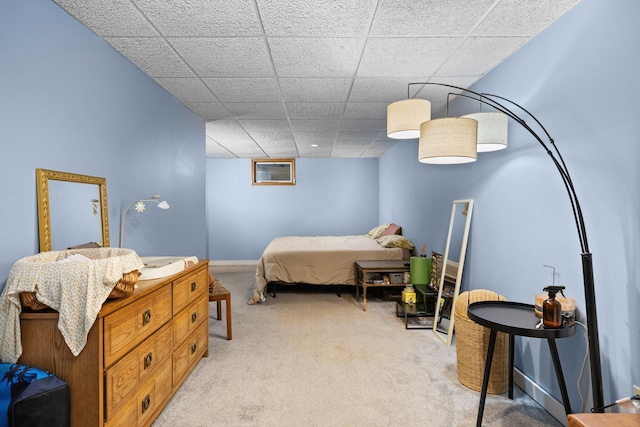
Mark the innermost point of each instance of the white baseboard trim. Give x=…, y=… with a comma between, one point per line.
x=537, y=393
x=245, y=262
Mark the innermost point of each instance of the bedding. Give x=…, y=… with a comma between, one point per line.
x=321, y=260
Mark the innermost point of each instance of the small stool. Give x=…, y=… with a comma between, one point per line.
x=219, y=293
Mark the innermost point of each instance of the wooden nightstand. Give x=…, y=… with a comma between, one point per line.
x=364, y=270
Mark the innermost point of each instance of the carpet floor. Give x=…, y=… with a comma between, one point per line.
x=311, y=358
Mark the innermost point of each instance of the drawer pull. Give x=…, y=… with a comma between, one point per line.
x=146, y=402
x=193, y=286
x=194, y=347
x=194, y=317
x=147, y=360
x=146, y=317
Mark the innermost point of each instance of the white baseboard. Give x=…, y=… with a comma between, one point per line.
x=245, y=262
x=544, y=399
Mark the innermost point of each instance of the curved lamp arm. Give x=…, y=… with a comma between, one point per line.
x=155, y=199
x=587, y=261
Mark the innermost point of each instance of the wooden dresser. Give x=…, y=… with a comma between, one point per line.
x=139, y=351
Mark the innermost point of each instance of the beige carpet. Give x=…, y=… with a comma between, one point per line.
x=316, y=359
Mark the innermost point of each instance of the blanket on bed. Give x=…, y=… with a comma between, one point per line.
x=317, y=260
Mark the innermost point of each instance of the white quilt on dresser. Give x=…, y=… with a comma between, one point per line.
x=76, y=288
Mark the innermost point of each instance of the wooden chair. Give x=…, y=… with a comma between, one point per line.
x=219, y=293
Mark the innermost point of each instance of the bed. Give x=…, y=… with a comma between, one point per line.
x=326, y=260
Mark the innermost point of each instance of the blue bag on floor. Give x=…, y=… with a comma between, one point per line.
x=32, y=397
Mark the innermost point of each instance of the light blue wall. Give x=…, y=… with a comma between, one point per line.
x=579, y=77
x=70, y=102
x=331, y=197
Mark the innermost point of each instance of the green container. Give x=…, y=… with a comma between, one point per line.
x=420, y=270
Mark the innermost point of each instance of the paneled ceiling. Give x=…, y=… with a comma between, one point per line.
x=312, y=78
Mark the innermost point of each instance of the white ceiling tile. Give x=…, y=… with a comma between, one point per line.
x=278, y=153
x=272, y=138
x=363, y=125
x=152, y=55
x=315, y=89
x=275, y=147
x=311, y=57
x=315, y=125
x=328, y=18
x=315, y=152
x=209, y=110
x=251, y=110
x=351, y=145
x=522, y=18
x=187, y=89
x=265, y=125
x=225, y=57
x=256, y=154
x=427, y=17
x=245, y=89
x=229, y=133
x=402, y=56
x=381, y=90
x=109, y=17
x=315, y=110
x=202, y=18
x=372, y=110
x=479, y=54
x=343, y=136
x=314, y=137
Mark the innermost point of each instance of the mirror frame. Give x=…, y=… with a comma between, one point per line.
x=43, y=176
x=448, y=337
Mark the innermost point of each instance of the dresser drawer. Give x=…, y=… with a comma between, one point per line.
x=137, y=366
x=189, y=289
x=129, y=326
x=141, y=406
x=189, y=319
x=190, y=351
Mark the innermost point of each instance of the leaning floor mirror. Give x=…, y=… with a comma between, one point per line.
x=451, y=273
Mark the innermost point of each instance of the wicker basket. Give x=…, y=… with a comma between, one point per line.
x=124, y=287
x=472, y=341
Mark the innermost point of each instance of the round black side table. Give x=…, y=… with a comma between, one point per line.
x=515, y=318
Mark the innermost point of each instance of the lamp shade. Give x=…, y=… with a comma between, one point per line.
x=492, y=130
x=405, y=117
x=449, y=140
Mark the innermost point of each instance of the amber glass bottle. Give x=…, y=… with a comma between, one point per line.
x=552, y=309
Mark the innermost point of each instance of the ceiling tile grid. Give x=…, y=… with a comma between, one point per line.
x=276, y=78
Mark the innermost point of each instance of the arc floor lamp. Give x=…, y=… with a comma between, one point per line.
x=454, y=140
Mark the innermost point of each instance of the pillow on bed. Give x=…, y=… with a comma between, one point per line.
x=392, y=229
x=377, y=231
x=396, y=241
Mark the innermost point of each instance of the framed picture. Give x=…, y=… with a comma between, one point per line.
x=273, y=172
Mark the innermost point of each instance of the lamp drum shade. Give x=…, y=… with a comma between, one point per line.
x=448, y=141
x=492, y=130
x=405, y=117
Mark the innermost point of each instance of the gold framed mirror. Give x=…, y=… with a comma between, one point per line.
x=451, y=273
x=72, y=210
